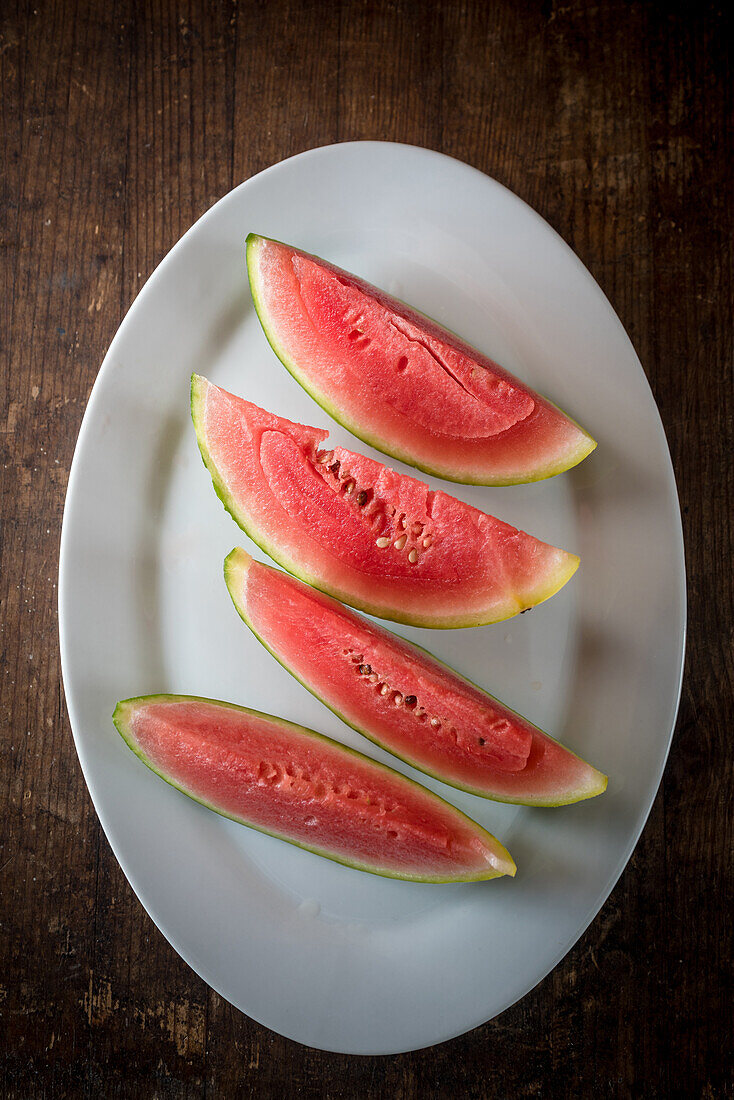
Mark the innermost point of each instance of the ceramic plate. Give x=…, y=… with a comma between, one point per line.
x=323, y=954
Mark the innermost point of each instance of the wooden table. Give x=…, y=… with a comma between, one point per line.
x=121, y=124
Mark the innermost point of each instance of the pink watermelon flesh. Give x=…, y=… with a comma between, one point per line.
x=295, y=784
x=401, y=697
x=379, y=540
x=401, y=382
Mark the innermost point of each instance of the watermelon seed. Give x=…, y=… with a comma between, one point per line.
x=481, y=741
x=435, y=723
x=365, y=669
x=400, y=543
x=403, y=523
x=323, y=456
x=349, y=487
x=402, y=362
x=335, y=466
x=384, y=689
x=427, y=542
x=397, y=699
x=413, y=557
x=374, y=678
x=410, y=700
x=362, y=497
x=383, y=542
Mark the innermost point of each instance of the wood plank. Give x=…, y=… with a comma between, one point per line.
x=57, y=269
x=121, y=124
x=285, y=82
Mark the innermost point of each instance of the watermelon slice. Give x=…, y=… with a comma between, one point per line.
x=401, y=697
x=401, y=382
x=298, y=785
x=374, y=538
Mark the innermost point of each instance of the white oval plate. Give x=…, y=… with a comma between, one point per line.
x=325, y=955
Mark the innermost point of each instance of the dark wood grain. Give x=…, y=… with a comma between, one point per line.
x=120, y=124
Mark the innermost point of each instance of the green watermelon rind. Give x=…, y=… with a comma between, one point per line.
x=385, y=446
x=233, y=569
x=120, y=717
x=558, y=579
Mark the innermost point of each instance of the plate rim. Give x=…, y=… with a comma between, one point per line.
x=64, y=582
